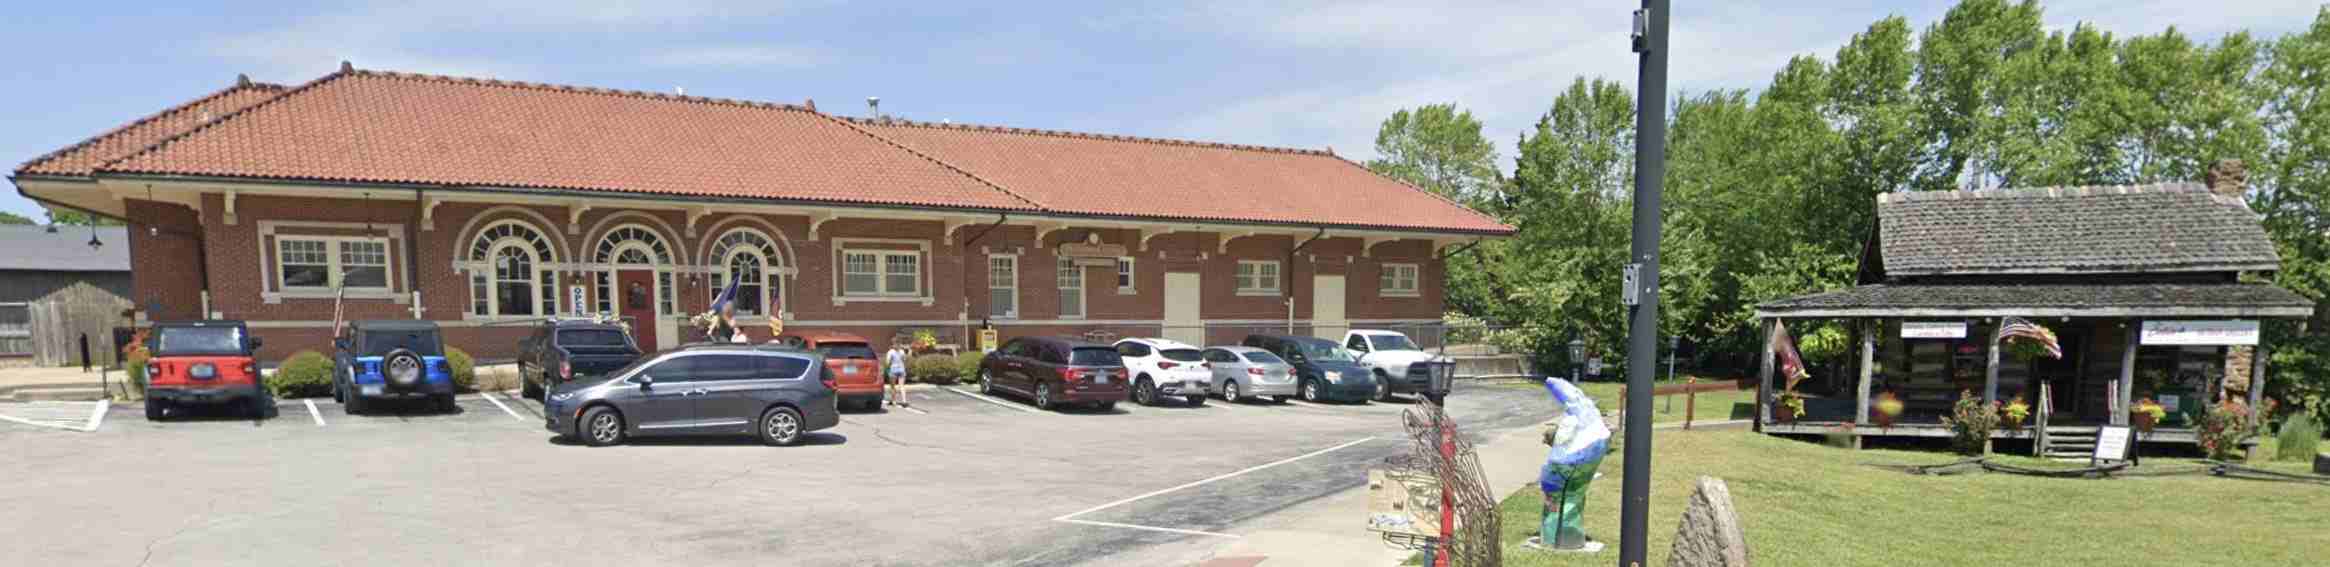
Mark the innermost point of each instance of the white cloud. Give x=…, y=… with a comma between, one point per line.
x=415, y=36
x=736, y=56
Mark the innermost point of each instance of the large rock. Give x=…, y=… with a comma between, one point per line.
x=2322, y=463
x=1709, y=535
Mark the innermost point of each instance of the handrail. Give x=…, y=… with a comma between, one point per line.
x=2046, y=408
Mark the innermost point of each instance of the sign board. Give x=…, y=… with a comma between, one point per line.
x=2111, y=443
x=987, y=340
x=576, y=300
x=1403, y=502
x=2211, y=333
x=1933, y=329
x=1632, y=285
x=2170, y=402
x=1091, y=250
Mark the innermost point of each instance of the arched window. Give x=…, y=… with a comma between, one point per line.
x=509, y=272
x=635, y=245
x=750, y=259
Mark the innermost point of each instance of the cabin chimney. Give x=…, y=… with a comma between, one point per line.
x=2229, y=178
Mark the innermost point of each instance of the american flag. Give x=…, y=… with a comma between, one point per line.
x=2012, y=327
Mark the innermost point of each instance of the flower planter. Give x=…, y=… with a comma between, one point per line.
x=1783, y=414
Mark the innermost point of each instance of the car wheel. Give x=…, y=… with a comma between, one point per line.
x=1044, y=396
x=530, y=388
x=601, y=426
x=1311, y=391
x=1145, y=393
x=1230, y=391
x=1278, y=399
x=1383, y=387
x=355, y=404
x=260, y=404
x=444, y=403
x=154, y=409
x=1197, y=400
x=986, y=383
x=1106, y=406
x=780, y=426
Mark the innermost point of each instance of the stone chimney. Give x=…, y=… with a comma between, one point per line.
x=2229, y=178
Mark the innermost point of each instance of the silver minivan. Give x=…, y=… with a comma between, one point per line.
x=1242, y=372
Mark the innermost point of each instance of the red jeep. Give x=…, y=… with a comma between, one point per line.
x=203, y=362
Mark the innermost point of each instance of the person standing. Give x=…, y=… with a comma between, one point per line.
x=895, y=362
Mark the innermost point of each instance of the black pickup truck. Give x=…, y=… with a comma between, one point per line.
x=562, y=351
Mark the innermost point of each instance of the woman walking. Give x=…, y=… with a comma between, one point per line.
x=895, y=362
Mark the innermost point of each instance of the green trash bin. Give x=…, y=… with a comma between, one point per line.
x=2188, y=406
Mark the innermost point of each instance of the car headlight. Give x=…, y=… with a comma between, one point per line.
x=1336, y=377
x=562, y=396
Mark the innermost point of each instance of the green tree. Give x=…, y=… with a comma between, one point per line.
x=2292, y=189
x=1561, y=271
x=1961, y=89
x=13, y=218
x=69, y=217
x=1441, y=149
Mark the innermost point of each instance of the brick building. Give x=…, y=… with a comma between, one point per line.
x=486, y=204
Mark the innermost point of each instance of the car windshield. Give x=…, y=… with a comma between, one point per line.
x=1095, y=356
x=1182, y=354
x=1391, y=342
x=1260, y=357
x=423, y=343
x=845, y=350
x=1325, y=352
x=591, y=337
x=198, y=340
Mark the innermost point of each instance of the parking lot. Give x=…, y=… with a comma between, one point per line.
x=958, y=479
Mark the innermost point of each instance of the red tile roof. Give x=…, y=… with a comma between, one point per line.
x=1095, y=174
x=376, y=127
x=380, y=127
x=79, y=159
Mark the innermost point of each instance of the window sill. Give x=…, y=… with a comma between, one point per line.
x=841, y=300
x=275, y=297
x=1256, y=293
x=1127, y=291
x=1400, y=294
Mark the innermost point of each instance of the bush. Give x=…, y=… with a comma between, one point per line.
x=968, y=366
x=2222, y=427
x=2300, y=438
x=305, y=374
x=463, y=367
x=1971, y=422
x=934, y=369
x=136, y=367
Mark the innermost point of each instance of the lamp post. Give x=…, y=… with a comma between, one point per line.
x=1577, y=359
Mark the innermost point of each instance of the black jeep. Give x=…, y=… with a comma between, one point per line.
x=390, y=359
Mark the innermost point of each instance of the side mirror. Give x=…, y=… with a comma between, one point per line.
x=255, y=342
x=644, y=381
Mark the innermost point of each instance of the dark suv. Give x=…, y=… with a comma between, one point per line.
x=207, y=362
x=1323, y=369
x=562, y=351
x=1054, y=371
x=390, y=359
x=775, y=392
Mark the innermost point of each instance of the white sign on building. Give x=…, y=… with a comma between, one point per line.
x=2208, y=333
x=1933, y=329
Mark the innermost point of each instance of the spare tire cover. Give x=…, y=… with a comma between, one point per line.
x=401, y=367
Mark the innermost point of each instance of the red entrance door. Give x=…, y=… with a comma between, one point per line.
x=637, y=291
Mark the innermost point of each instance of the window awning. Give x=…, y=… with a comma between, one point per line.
x=2046, y=300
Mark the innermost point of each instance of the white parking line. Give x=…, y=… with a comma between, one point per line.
x=489, y=396
x=97, y=414
x=311, y=412
x=1070, y=518
x=993, y=400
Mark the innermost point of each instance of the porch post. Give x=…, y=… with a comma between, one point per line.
x=1990, y=380
x=2125, y=398
x=1764, y=374
x=1868, y=357
x=2256, y=375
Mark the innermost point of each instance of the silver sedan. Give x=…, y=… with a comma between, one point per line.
x=1248, y=372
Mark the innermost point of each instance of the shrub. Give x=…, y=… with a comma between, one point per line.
x=2222, y=427
x=2300, y=438
x=934, y=369
x=1971, y=422
x=967, y=365
x=463, y=368
x=2014, y=412
x=135, y=365
x=306, y=373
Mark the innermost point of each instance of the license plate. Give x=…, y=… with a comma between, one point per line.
x=1100, y=379
x=849, y=370
x=203, y=371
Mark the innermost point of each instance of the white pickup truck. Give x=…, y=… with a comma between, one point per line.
x=1393, y=358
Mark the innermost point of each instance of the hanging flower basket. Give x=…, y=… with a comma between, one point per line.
x=1887, y=409
x=2012, y=414
x=2147, y=415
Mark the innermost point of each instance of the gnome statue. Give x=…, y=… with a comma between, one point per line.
x=1579, y=439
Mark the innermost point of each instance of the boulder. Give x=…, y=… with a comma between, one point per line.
x=2322, y=463
x=1709, y=534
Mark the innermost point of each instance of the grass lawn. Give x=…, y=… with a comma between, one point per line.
x=1809, y=504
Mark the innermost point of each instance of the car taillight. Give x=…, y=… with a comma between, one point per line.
x=566, y=370
x=1254, y=372
x=153, y=370
x=251, y=369
x=1167, y=365
x=826, y=378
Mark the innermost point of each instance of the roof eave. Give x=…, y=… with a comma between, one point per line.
x=2272, y=311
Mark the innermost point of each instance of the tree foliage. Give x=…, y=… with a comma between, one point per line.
x=1771, y=192
x=1441, y=149
x=13, y=218
x=69, y=217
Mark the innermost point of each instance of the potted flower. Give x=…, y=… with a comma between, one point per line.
x=1887, y=408
x=2147, y=414
x=1788, y=407
x=2014, y=412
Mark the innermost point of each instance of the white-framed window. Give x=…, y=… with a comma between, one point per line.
x=750, y=259
x=1399, y=280
x=1124, y=275
x=509, y=271
x=1258, y=277
x=885, y=273
x=318, y=263
x=1071, y=282
x=1003, y=286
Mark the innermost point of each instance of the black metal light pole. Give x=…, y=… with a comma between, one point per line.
x=1650, y=157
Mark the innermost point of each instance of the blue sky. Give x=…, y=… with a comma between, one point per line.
x=1287, y=73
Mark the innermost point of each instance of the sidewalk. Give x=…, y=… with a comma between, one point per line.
x=54, y=383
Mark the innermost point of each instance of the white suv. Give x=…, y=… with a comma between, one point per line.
x=1161, y=367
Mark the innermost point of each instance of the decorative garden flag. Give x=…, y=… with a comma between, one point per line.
x=1784, y=349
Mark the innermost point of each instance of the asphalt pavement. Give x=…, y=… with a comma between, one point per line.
x=959, y=479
